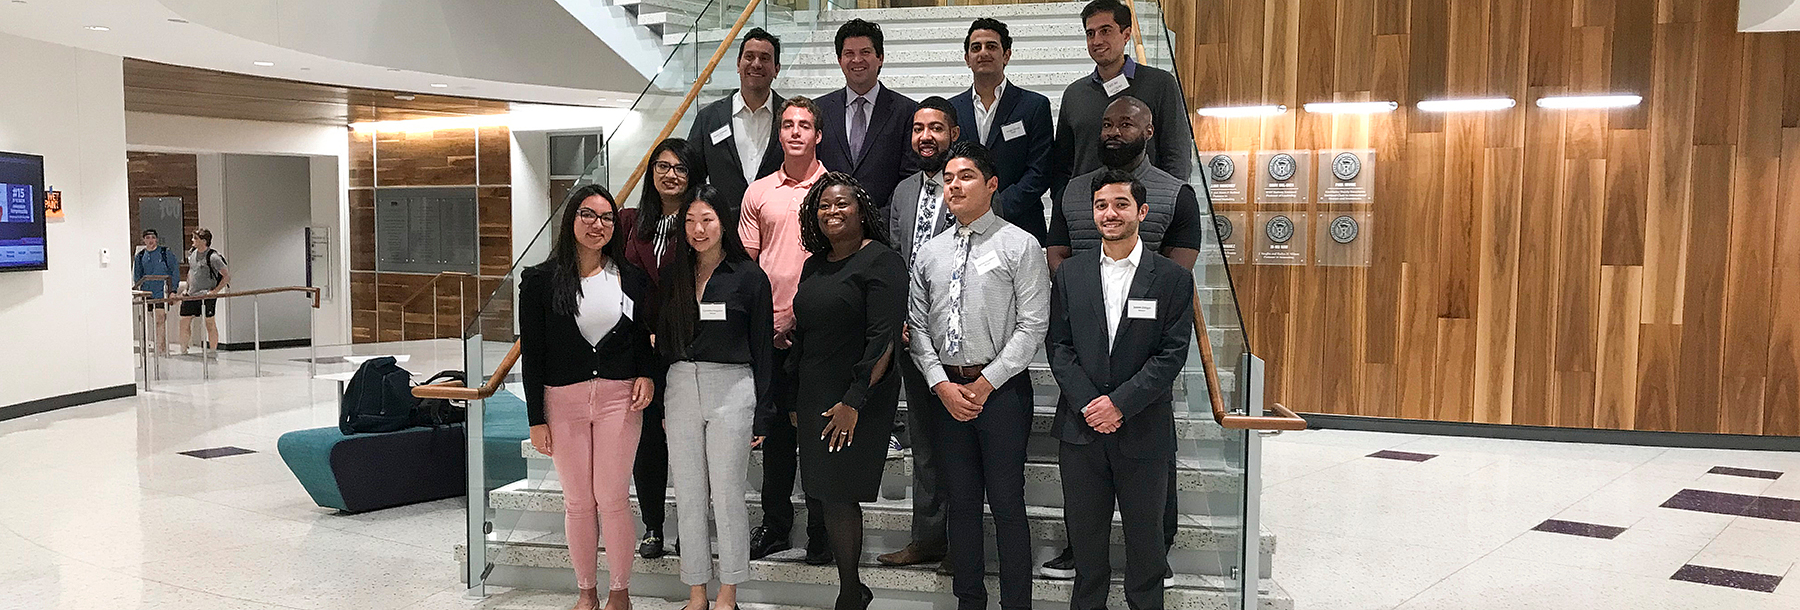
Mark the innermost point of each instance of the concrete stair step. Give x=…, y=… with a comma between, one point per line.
x=908, y=588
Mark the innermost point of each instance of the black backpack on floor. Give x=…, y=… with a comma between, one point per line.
x=377, y=399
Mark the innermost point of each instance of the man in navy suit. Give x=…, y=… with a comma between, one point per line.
x=737, y=137
x=1013, y=123
x=866, y=125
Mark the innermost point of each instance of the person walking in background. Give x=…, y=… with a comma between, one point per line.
x=587, y=365
x=1108, y=27
x=735, y=139
x=917, y=214
x=865, y=123
x=847, y=321
x=714, y=314
x=652, y=233
x=1012, y=122
x=207, y=276
x=979, y=307
x=770, y=230
x=1116, y=418
x=154, y=259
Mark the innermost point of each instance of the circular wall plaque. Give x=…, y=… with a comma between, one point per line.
x=1344, y=229
x=1280, y=229
x=1282, y=166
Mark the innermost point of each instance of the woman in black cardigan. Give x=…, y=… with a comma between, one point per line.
x=587, y=367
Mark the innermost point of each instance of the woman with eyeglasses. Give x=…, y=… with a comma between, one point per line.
x=652, y=235
x=847, y=320
x=715, y=310
x=587, y=365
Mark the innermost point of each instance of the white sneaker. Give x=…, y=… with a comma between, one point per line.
x=895, y=451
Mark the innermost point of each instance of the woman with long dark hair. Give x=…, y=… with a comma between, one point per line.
x=652, y=234
x=587, y=365
x=847, y=323
x=715, y=315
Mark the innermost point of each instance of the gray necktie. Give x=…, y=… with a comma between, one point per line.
x=859, y=127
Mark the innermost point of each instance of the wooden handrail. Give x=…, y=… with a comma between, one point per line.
x=150, y=278
x=430, y=284
x=1137, y=33
x=688, y=100
x=242, y=293
x=455, y=390
x=1284, y=419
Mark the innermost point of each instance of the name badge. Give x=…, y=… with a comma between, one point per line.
x=1012, y=131
x=712, y=312
x=1140, y=309
x=1117, y=84
x=986, y=263
x=719, y=135
x=625, y=306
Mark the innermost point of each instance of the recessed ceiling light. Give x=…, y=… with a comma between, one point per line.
x=265, y=64
x=177, y=20
x=99, y=28
x=305, y=69
x=440, y=85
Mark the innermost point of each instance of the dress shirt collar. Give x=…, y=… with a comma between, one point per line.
x=812, y=175
x=1130, y=70
x=738, y=105
x=999, y=92
x=851, y=96
x=1130, y=261
x=984, y=224
x=932, y=178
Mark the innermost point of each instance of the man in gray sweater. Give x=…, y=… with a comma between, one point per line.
x=1077, y=151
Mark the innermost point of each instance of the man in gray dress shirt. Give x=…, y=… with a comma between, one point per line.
x=980, y=300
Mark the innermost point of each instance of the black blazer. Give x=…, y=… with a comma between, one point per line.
x=720, y=162
x=885, y=158
x=1024, y=161
x=552, y=351
x=1139, y=369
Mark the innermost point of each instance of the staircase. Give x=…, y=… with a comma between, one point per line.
x=526, y=547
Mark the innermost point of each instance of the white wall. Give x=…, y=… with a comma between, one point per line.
x=530, y=193
x=68, y=329
x=268, y=203
x=327, y=147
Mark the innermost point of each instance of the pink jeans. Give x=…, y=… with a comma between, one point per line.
x=593, y=440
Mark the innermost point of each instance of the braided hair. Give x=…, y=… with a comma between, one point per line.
x=813, y=239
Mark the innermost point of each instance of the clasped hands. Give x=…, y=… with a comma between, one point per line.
x=1102, y=416
x=964, y=400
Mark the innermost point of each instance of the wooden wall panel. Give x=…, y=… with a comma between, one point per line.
x=155, y=174
x=1615, y=269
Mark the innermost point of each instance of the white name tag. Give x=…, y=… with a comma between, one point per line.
x=712, y=312
x=986, y=263
x=1140, y=309
x=1013, y=130
x=625, y=306
x=719, y=135
x=1117, y=84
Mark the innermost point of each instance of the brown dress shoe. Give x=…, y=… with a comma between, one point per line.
x=911, y=555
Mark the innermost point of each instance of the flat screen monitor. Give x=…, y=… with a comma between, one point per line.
x=22, y=213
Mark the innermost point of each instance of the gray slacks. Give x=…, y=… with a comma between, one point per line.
x=709, y=412
x=922, y=412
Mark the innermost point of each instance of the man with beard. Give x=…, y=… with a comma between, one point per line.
x=1171, y=227
x=917, y=213
x=1115, y=419
x=1012, y=122
x=1108, y=27
x=736, y=137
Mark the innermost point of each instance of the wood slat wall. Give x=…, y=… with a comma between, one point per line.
x=155, y=174
x=1627, y=269
x=380, y=310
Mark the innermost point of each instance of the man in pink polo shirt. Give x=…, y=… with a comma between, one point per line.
x=770, y=228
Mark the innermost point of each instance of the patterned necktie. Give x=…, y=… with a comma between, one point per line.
x=928, y=213
x=859, y=127
x=953, y=334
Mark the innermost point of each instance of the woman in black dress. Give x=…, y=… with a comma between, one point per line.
x=847, y=320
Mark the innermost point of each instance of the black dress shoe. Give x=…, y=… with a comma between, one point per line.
x=1061, y=568
x=860, y=602
x=652, y=546
x=765, y=542
x=818, y=554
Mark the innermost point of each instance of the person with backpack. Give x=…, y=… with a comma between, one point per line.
x=207, y=276
x=587, y=363
x=155, y=259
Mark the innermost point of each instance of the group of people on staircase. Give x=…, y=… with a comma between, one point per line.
x=794, y=264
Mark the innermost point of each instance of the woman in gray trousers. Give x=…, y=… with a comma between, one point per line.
x=715, y=329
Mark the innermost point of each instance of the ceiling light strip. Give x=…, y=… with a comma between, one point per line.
x=1590, y=101
x=1468, y=104
x=1351, y=107
x=1242, y=111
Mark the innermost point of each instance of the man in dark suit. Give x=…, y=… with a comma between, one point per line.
x=1014, y=123
x=918, y=213
x=1115, y=419
x=866, y=125
x=736, y=138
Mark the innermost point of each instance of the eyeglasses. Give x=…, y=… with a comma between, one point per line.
x=591, y=217
x=663, y=167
